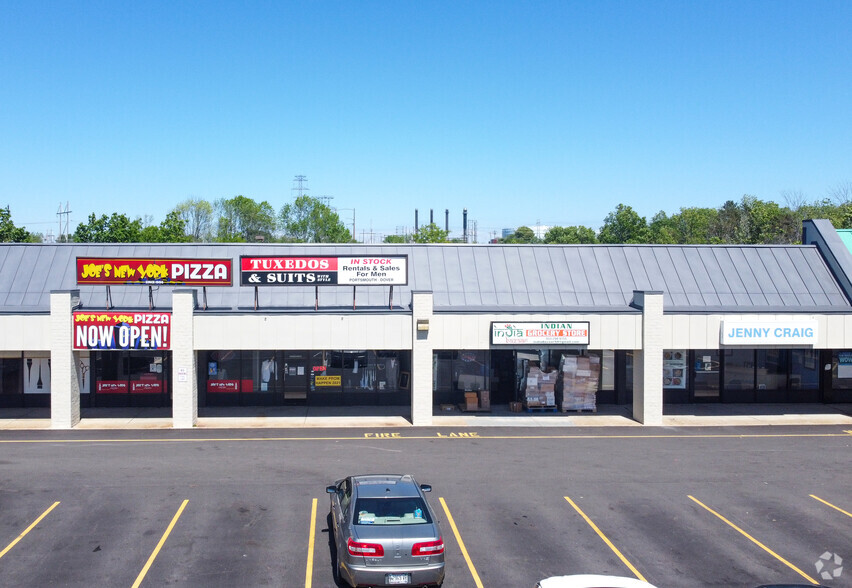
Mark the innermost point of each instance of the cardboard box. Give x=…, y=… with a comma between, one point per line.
x=516, y=406
x=485, y=399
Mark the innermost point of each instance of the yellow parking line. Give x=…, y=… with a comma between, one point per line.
x=309, y=571
x=848, y=514
x=607, y=541
x=159, y=546
x=461, y=544
x=755, y=541
x=28, y=529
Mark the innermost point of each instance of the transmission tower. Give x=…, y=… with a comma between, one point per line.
x=299, y=188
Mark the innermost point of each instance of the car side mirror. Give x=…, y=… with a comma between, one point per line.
x=331, y=489
x=426, y=487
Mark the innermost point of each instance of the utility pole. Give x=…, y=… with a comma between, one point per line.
x=63, y=233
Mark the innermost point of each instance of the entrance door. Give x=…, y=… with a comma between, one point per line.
x=296, y=375
x=706, y=381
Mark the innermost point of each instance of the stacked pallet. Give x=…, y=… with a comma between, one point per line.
x=579, y=382
x=540, y=391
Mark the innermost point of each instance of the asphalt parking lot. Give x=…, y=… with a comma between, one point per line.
x=677, y=507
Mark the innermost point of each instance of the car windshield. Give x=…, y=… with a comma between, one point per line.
x=391, y=511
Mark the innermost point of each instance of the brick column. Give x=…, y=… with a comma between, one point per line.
x=648, y=361
x=64, y=382
x=421, y=358
x=184, y=369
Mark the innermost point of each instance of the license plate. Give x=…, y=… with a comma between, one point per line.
x=393, y=579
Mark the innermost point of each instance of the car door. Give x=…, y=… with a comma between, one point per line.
x=339, y=513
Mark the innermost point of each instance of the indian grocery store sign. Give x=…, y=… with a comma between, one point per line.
x=324, y=271
x=153, y=271
x=555, y=333
x=121, y=330
x=770, y=333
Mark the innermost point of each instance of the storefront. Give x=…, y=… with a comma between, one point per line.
x=470, y=327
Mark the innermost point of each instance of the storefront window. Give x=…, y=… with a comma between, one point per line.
x=739, y=369
x=771, y=369
x=10, y=375
x=804, y=369
x=841, y=370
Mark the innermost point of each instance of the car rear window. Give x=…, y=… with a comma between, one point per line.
x=391, y=511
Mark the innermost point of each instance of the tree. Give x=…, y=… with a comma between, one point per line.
x=243, y=219
x=396, y=239
x=9, y=233
x=687, y=227
x=624, y=225
x=570, y=235
x=430, y=233
x=117, y=228
x=308, y=220
x=197, y=215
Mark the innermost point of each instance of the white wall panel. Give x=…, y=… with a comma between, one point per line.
x=302, y=332
x=464, y=331
x=25, y=333
x=703, y=331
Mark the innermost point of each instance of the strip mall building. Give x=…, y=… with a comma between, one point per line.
x=424, y=326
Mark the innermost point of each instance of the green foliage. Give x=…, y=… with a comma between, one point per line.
x=9, y=233
x=242, y=219
x=570, y=235
x=396, y=239
x=624, y=225
x=430, y=233
x=522, y=235
x=308, y=220
x=687, y=227
x=117, y=228
x=197, y=215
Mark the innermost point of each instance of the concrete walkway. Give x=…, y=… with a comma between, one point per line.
x=675, y=415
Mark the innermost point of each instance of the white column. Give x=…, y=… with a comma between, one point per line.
x=421, y=358
x=648, y=361
x=64, y=382
x=184, y=368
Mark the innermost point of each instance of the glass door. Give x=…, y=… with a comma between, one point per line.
x=296, y=371
x=706, y=381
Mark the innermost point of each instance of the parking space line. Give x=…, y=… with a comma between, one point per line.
x=309, y=571
x=755, y=541
x=848, y=514
x=28, y=529
x=461, y=544
x=159, y=546
x=606, y=540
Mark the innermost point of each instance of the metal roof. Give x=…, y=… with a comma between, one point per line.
x=466, y=278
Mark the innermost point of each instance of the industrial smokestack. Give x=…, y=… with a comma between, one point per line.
x=464, y=225
x=447, y=220
x=415, y=220
x=431, y=217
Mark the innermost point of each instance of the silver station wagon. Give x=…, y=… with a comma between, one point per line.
x=385, y=532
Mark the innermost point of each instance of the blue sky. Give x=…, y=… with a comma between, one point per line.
x=521, y=112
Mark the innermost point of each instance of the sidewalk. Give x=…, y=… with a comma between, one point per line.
x=674, y=415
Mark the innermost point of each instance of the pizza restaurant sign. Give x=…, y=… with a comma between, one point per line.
x=555, y=333
x=122, y=330
x=151, y=271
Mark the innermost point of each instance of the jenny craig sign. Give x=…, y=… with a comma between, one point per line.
x=774, y=333
x=121, y=330
x=324, y=271
x=151, y=271
x=553, y=333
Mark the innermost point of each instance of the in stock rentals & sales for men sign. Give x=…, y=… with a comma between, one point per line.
x=349, y=270
x=122, y=330
x=152, y=271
